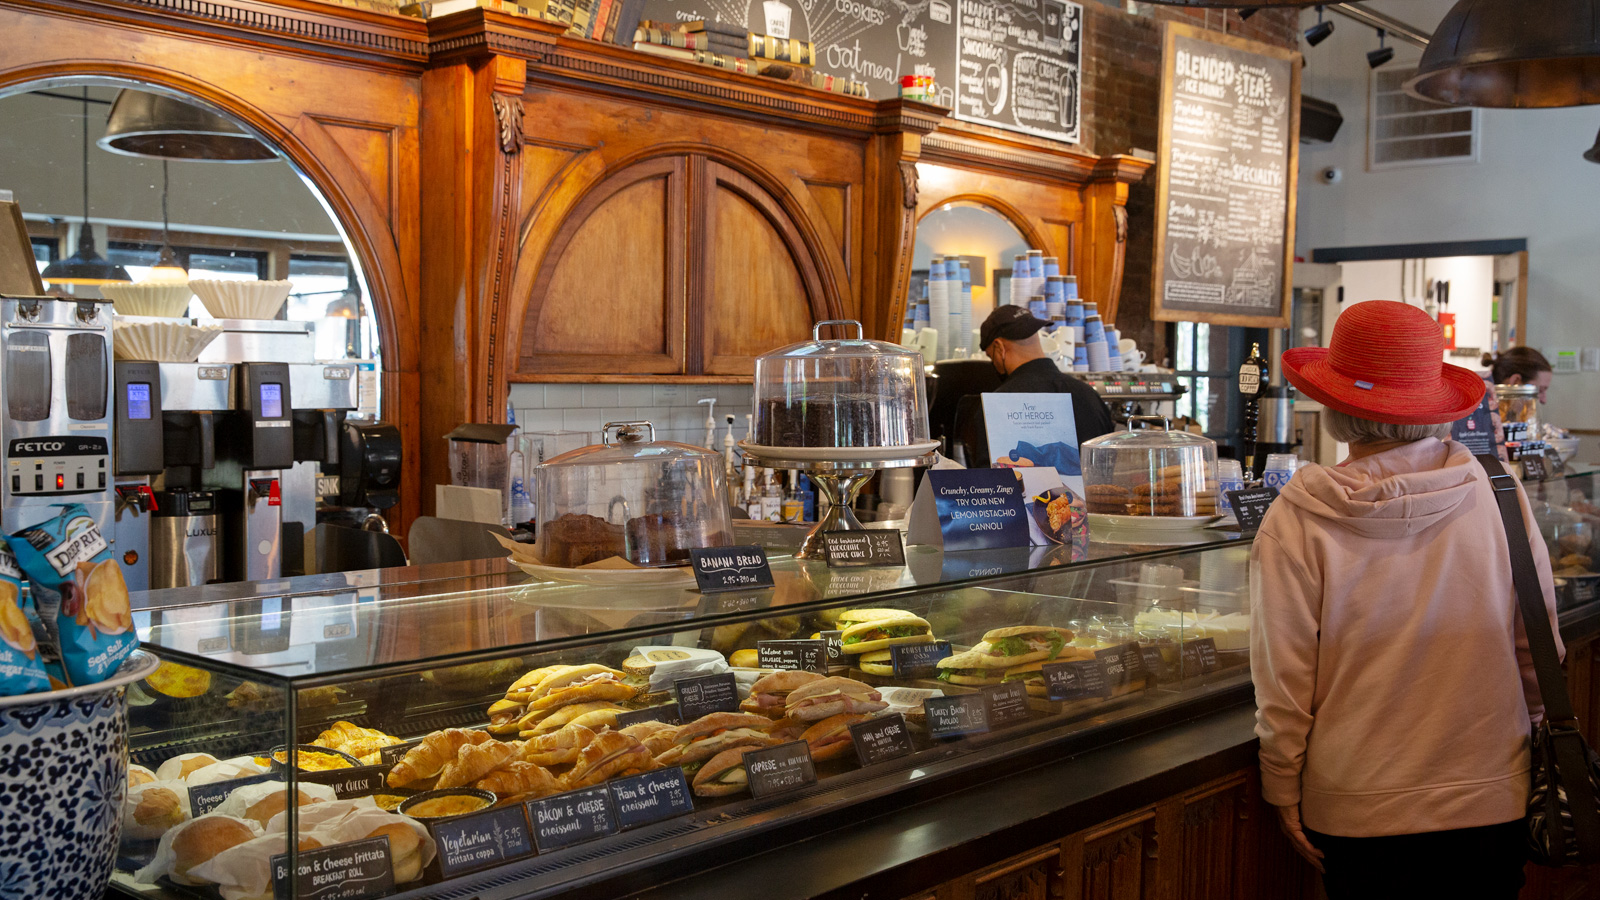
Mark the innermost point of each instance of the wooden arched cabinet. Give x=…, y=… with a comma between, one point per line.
x=673, y=265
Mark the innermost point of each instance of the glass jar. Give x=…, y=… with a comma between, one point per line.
x=645, y=501
x=1150, y=472
x=1519, y=406
x=850, y=393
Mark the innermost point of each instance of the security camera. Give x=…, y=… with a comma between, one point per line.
x=1330, y=175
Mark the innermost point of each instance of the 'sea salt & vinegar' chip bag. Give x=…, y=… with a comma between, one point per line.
x=21, y=663
x=78, y=593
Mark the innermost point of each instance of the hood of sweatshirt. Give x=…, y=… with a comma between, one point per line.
x=1392, y=494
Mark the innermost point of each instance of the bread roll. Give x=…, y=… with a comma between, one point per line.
x=152, y=808
x=181, y=766
x=405, y=850
x=204, y=838
x=138, y=775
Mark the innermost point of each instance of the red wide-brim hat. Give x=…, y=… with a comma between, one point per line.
x=1385, y=363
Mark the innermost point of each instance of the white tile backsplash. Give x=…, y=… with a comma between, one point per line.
x=672, y=408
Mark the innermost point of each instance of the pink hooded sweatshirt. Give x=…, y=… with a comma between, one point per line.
x=1394, y=688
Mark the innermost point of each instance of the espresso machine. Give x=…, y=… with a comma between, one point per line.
x=55, y=410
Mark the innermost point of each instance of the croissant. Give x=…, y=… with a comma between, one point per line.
x=609, y=753
x=428, y=758
x=518, y=777
x=656, y=736
x=545, y=721
x=473, y=761
x=557, y=747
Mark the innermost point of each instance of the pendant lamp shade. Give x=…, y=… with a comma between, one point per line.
x=84, y=266
x=1513, y=54
x=161, y=127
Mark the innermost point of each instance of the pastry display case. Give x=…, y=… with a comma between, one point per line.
x=630, y=500
x=1133, y=477
x=1567, y=511
x=466, y=732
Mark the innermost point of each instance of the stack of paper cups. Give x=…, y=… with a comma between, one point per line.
x=1052, y=266
x=939, y=306
x=1113, y=350
x=1019, y=280
x=1036, y=307
x=1094, y=335
x=1036, y=272
x=1075, y=319
x=954, y=293
x=1055, y=296
x=964, y=320
x=1080, y=358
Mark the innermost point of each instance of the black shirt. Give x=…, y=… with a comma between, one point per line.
x=1042, y=376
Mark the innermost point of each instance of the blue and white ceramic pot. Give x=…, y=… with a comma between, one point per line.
x=63, y=774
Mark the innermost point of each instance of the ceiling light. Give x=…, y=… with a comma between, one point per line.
x=1319, y=32
x=1498, y=53
x=162, y=127
x=1383, y=54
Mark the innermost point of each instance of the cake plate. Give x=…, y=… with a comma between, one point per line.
x=838, y=481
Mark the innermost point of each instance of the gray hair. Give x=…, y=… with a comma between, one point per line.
x=1356, y=430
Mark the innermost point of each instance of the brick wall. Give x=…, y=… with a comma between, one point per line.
x=1121, y=111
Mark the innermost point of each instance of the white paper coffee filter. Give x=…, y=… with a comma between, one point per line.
x=167, y=299
x=162, y=341
x=243, y=870
x=361, y=823
x=242, y=299
x=319, y=815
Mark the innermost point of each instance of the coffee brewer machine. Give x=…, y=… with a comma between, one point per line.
x=225, y=474
x=55, y=411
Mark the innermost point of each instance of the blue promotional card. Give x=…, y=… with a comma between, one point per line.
x=1034, y=431
x=980, y=508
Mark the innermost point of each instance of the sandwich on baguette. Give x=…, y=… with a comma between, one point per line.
x=831, y=736
x=769, y=695
x=581, y=684
x=723, y=774
x=705, y=737
x=1003, y=648
x=879, y=634
x=970, y=667
x=857, y=616
x=817, y=700
x=878, y=662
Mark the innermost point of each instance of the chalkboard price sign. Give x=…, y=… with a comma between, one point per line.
x=864, y=548
x=774, y=770
x=1078, y=679
x=478, y=841
x=571, y=818
x=950, y=717
x=918, y=660
x=809, y=656
x=881, y=739
x=651, y=797
x=348, y=871
x=1230, y=125
x=706, y=694
x=1250, y=506
x=346, y=783
x=1017, y=65
x=1008, y=703
x=206, y=797
x=730, y=569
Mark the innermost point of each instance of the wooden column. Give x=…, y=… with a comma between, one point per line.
x=1106, y=218
x=892, y=183
x=472, y=125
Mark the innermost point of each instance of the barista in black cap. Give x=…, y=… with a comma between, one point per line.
x=1010, y=337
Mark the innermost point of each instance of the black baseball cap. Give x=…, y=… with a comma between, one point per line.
x=1010, y=322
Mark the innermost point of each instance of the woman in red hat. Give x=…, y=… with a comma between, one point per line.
x=1394, y=688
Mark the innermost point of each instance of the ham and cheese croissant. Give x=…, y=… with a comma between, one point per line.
x=558, y=747
x=518, y=778
x=429, y=757
x=582, y=685
x=473, y=761
x=610, y=753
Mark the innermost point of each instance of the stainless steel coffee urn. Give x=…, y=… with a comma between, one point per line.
x=185, y=539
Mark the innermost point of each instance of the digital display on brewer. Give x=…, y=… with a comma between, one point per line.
x=271, y=401
x=138, y=401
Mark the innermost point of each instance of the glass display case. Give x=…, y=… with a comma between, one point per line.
x=469, y=733
x=1567, y=512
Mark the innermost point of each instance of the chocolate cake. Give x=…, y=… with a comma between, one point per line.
x=836, y=422
x=577, y=540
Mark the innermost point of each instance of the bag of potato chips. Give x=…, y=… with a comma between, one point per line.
x=78, y=593
x=21, y=664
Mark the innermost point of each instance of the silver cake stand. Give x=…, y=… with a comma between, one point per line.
x=838, y=480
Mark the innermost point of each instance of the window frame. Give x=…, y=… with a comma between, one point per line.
x=1475, y=133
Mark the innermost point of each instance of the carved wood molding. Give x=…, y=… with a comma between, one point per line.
x=301, y=24
x=908, y=183
x=1102, y=853
x=979, y=150
x=508, y=114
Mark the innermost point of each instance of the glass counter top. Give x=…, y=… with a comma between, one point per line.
x=316, y=629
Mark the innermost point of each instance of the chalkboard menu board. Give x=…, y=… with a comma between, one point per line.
x=1017, y=65
x=1230, y=126
x=1009, y=64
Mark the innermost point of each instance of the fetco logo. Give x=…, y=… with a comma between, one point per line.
x=38, y=447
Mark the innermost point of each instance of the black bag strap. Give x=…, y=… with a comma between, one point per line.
x=1572, y=768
